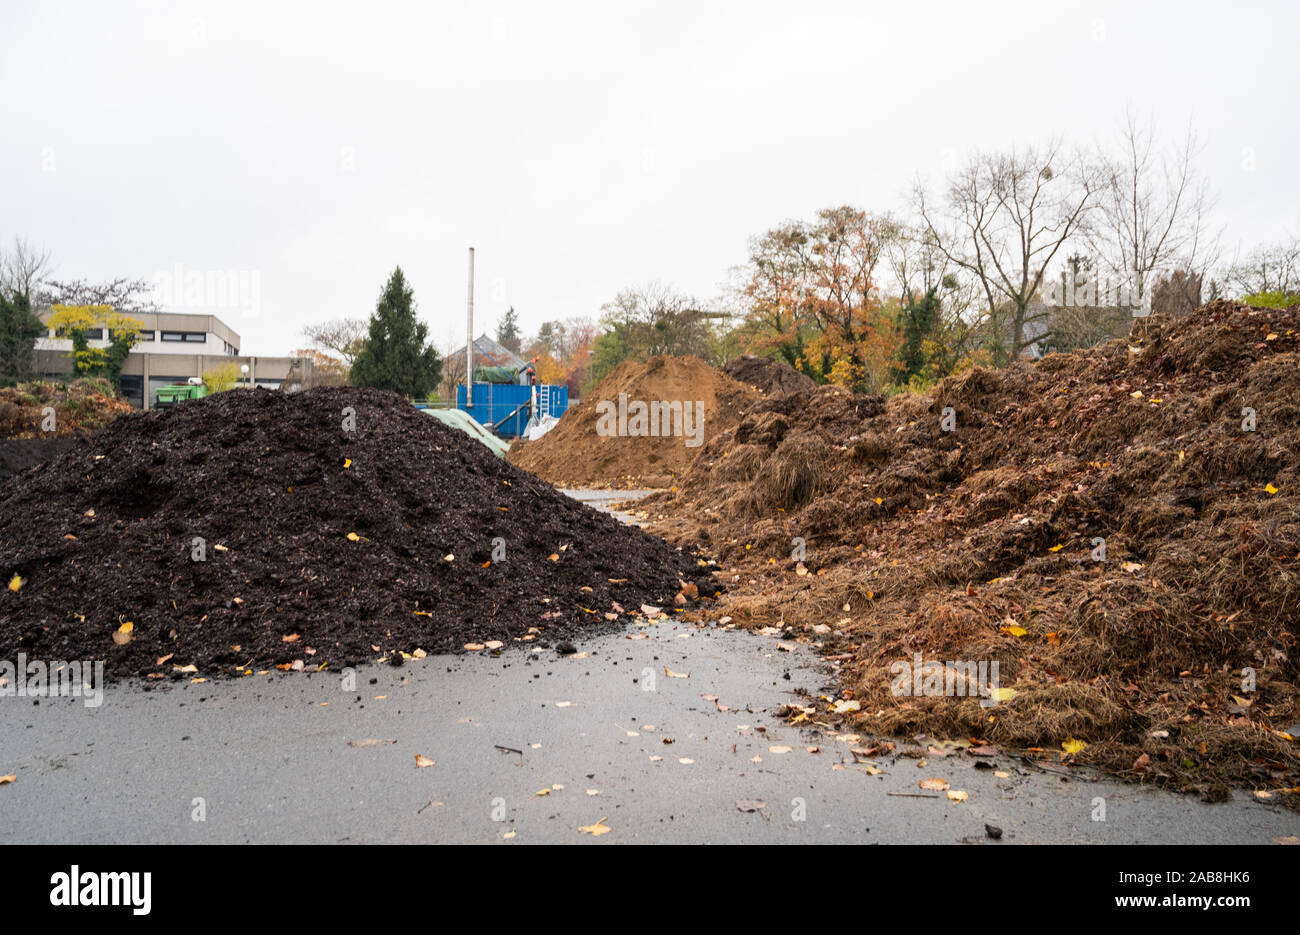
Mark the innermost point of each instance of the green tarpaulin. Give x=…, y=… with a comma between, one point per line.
x=459, y=419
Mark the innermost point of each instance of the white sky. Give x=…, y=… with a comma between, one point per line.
x=581, y=148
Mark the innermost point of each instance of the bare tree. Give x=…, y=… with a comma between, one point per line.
x=1271, y=268
x=344, y=337
x=122, y=294
x=1006, y=217
x=22, y=268
x=1153, y=214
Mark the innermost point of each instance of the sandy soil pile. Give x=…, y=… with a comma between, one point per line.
x=983, y=543
x=576, y=454
x=254, y=529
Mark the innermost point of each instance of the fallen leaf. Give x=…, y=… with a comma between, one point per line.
x=936, y=784
x=778, y=749
x=421, y=761
x=750, y=805
x=371, y=742
x=957, y=795
x=16, y=582
x=597, y=829
x=675, y=675
x=1072, y=746
x=5, y=780
x=290, y=638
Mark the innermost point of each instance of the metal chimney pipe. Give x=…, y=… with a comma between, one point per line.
x=469, y=337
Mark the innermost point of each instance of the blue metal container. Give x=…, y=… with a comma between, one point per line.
x=504, y=407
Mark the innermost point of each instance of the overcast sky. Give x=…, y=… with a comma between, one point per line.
x=581, y=148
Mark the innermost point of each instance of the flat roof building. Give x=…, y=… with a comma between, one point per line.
x=175, y=347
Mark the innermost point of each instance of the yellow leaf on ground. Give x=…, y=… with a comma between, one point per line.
x=934, y=783
x=675, y=675
x=5, y=780
x=1056, y=548
x=1015, y=630
x=421, y=761
x=597, y=829
x=957, y=795
x=1073, y=746
x=1270, y=489
x=15, y=583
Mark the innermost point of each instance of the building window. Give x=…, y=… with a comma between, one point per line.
x=173, y=336
x=94, y=334
x=189, y=337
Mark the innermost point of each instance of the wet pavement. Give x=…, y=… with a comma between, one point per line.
x=531, y=747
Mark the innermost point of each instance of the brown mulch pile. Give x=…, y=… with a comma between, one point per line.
x=771, y=376
x=982, y=544
x=574, y=454
x=80, y=407
x=321, y=546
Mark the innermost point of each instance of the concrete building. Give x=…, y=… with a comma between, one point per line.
x=175, y=347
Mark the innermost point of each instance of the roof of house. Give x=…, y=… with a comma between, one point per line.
x=488, y=353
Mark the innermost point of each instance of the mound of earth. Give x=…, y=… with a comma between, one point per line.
x=324, y=528
x=579, y=451
x=80, y=407
x=1118, y=528
x=19, y=454
x=771, y=376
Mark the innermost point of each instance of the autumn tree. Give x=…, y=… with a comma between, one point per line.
x=773, y=297
x=327, y=369
x=121, y=333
